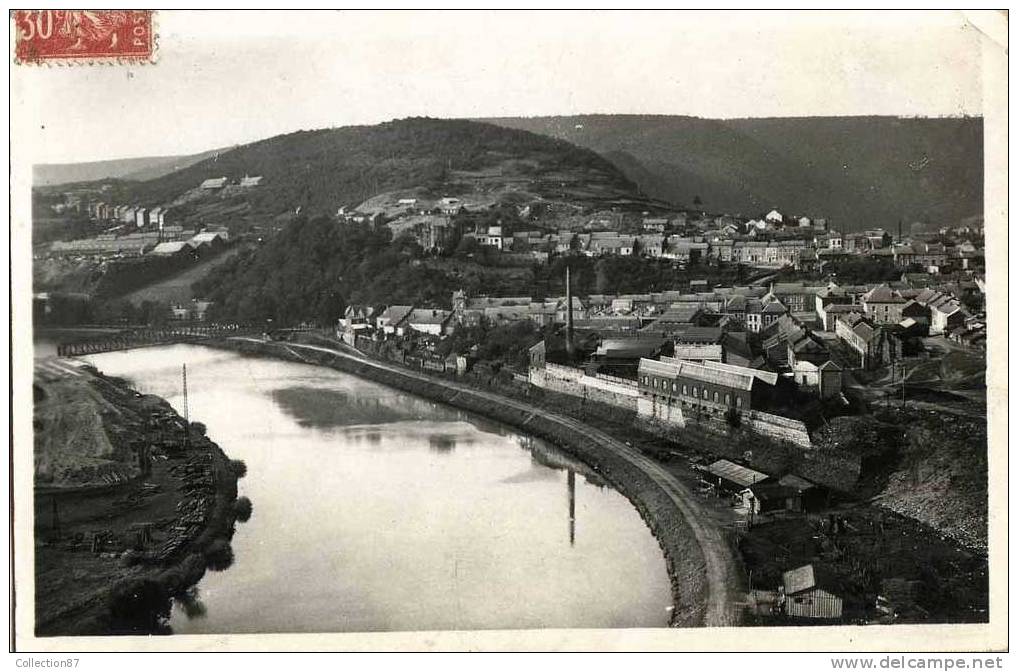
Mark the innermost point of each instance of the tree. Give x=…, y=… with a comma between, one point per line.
x=697, y=201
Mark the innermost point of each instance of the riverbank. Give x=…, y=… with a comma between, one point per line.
x=704, y=574
x=128, y=515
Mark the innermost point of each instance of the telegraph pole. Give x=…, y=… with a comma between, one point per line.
x=187, y=415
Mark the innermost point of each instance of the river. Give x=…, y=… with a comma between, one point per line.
x=375, y=510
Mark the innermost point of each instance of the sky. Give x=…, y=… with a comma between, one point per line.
x=225, y=78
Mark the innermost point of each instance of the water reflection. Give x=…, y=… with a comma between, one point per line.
x=192, y=605
x=571, y=485
x=377, y=511
x=442, y=443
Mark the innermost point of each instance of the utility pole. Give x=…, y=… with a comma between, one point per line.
x=187, y=415
x=903, y=385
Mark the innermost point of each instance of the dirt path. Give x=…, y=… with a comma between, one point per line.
x=723, y=575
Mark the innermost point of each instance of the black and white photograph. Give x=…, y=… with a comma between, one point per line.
x=515, y=330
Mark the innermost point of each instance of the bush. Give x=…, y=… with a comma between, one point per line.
x=139, y=605
x=242, y=509
x=219, y=555
x=238, y=468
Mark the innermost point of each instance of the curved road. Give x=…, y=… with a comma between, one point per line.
x=723, y=575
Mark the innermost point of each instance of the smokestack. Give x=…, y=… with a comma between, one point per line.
x=570, y=348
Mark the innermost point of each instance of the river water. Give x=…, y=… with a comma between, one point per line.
x=376, y=510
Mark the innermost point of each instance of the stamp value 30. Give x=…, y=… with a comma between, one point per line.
x=83, y=35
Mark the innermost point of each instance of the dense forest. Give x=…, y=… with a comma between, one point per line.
x=317, y=266
x=320, y=170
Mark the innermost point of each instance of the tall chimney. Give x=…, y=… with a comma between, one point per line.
x=570, y=348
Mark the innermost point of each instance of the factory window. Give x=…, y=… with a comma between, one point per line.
x=685, y=390
x=728, y=399
x=645, y=380
x=738, y=402
x=715, y=397
x=675, y=386
x=694, y=392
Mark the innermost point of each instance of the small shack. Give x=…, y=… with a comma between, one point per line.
x=806, y=495
x=768, y=497
x=733, y=478
x=802, y=596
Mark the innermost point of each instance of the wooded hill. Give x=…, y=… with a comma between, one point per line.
x=860, y=172
x=318, y=171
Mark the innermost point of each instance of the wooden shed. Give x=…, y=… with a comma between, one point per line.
x=803, y=597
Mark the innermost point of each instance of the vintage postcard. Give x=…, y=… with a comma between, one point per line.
x=496, y=330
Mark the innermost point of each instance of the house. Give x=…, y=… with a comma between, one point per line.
x=140, y=217
x=450, y=206
x=873, y=343
x=250, y=181
x=214, y=183
x=931, y=256
x=945, y=317
x=834, y=240
x=826, y=379
x=808, y=261
x=918, y=313
x=493, y=236
x=651, y=245
x=178, y=248
x=357, y=318
x=774, y=217
x=796, y=296
x=393, y=318
x=802, y=596
x=430, y=321
x=684, y=250
x=196, y=311
x=621, y=246
x=213, y=240
x=883, y=304
x=656, y=224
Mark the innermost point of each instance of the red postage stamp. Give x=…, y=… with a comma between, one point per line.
x=83, y=35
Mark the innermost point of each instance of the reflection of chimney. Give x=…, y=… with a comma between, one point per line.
x=570, y=348
x=571, y=481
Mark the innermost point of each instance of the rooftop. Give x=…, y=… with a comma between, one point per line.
x=736, y=473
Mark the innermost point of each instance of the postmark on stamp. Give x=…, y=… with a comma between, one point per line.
x=83, y=35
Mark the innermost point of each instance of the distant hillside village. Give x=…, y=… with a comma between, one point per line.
x=772, y=241
x=941, y=270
